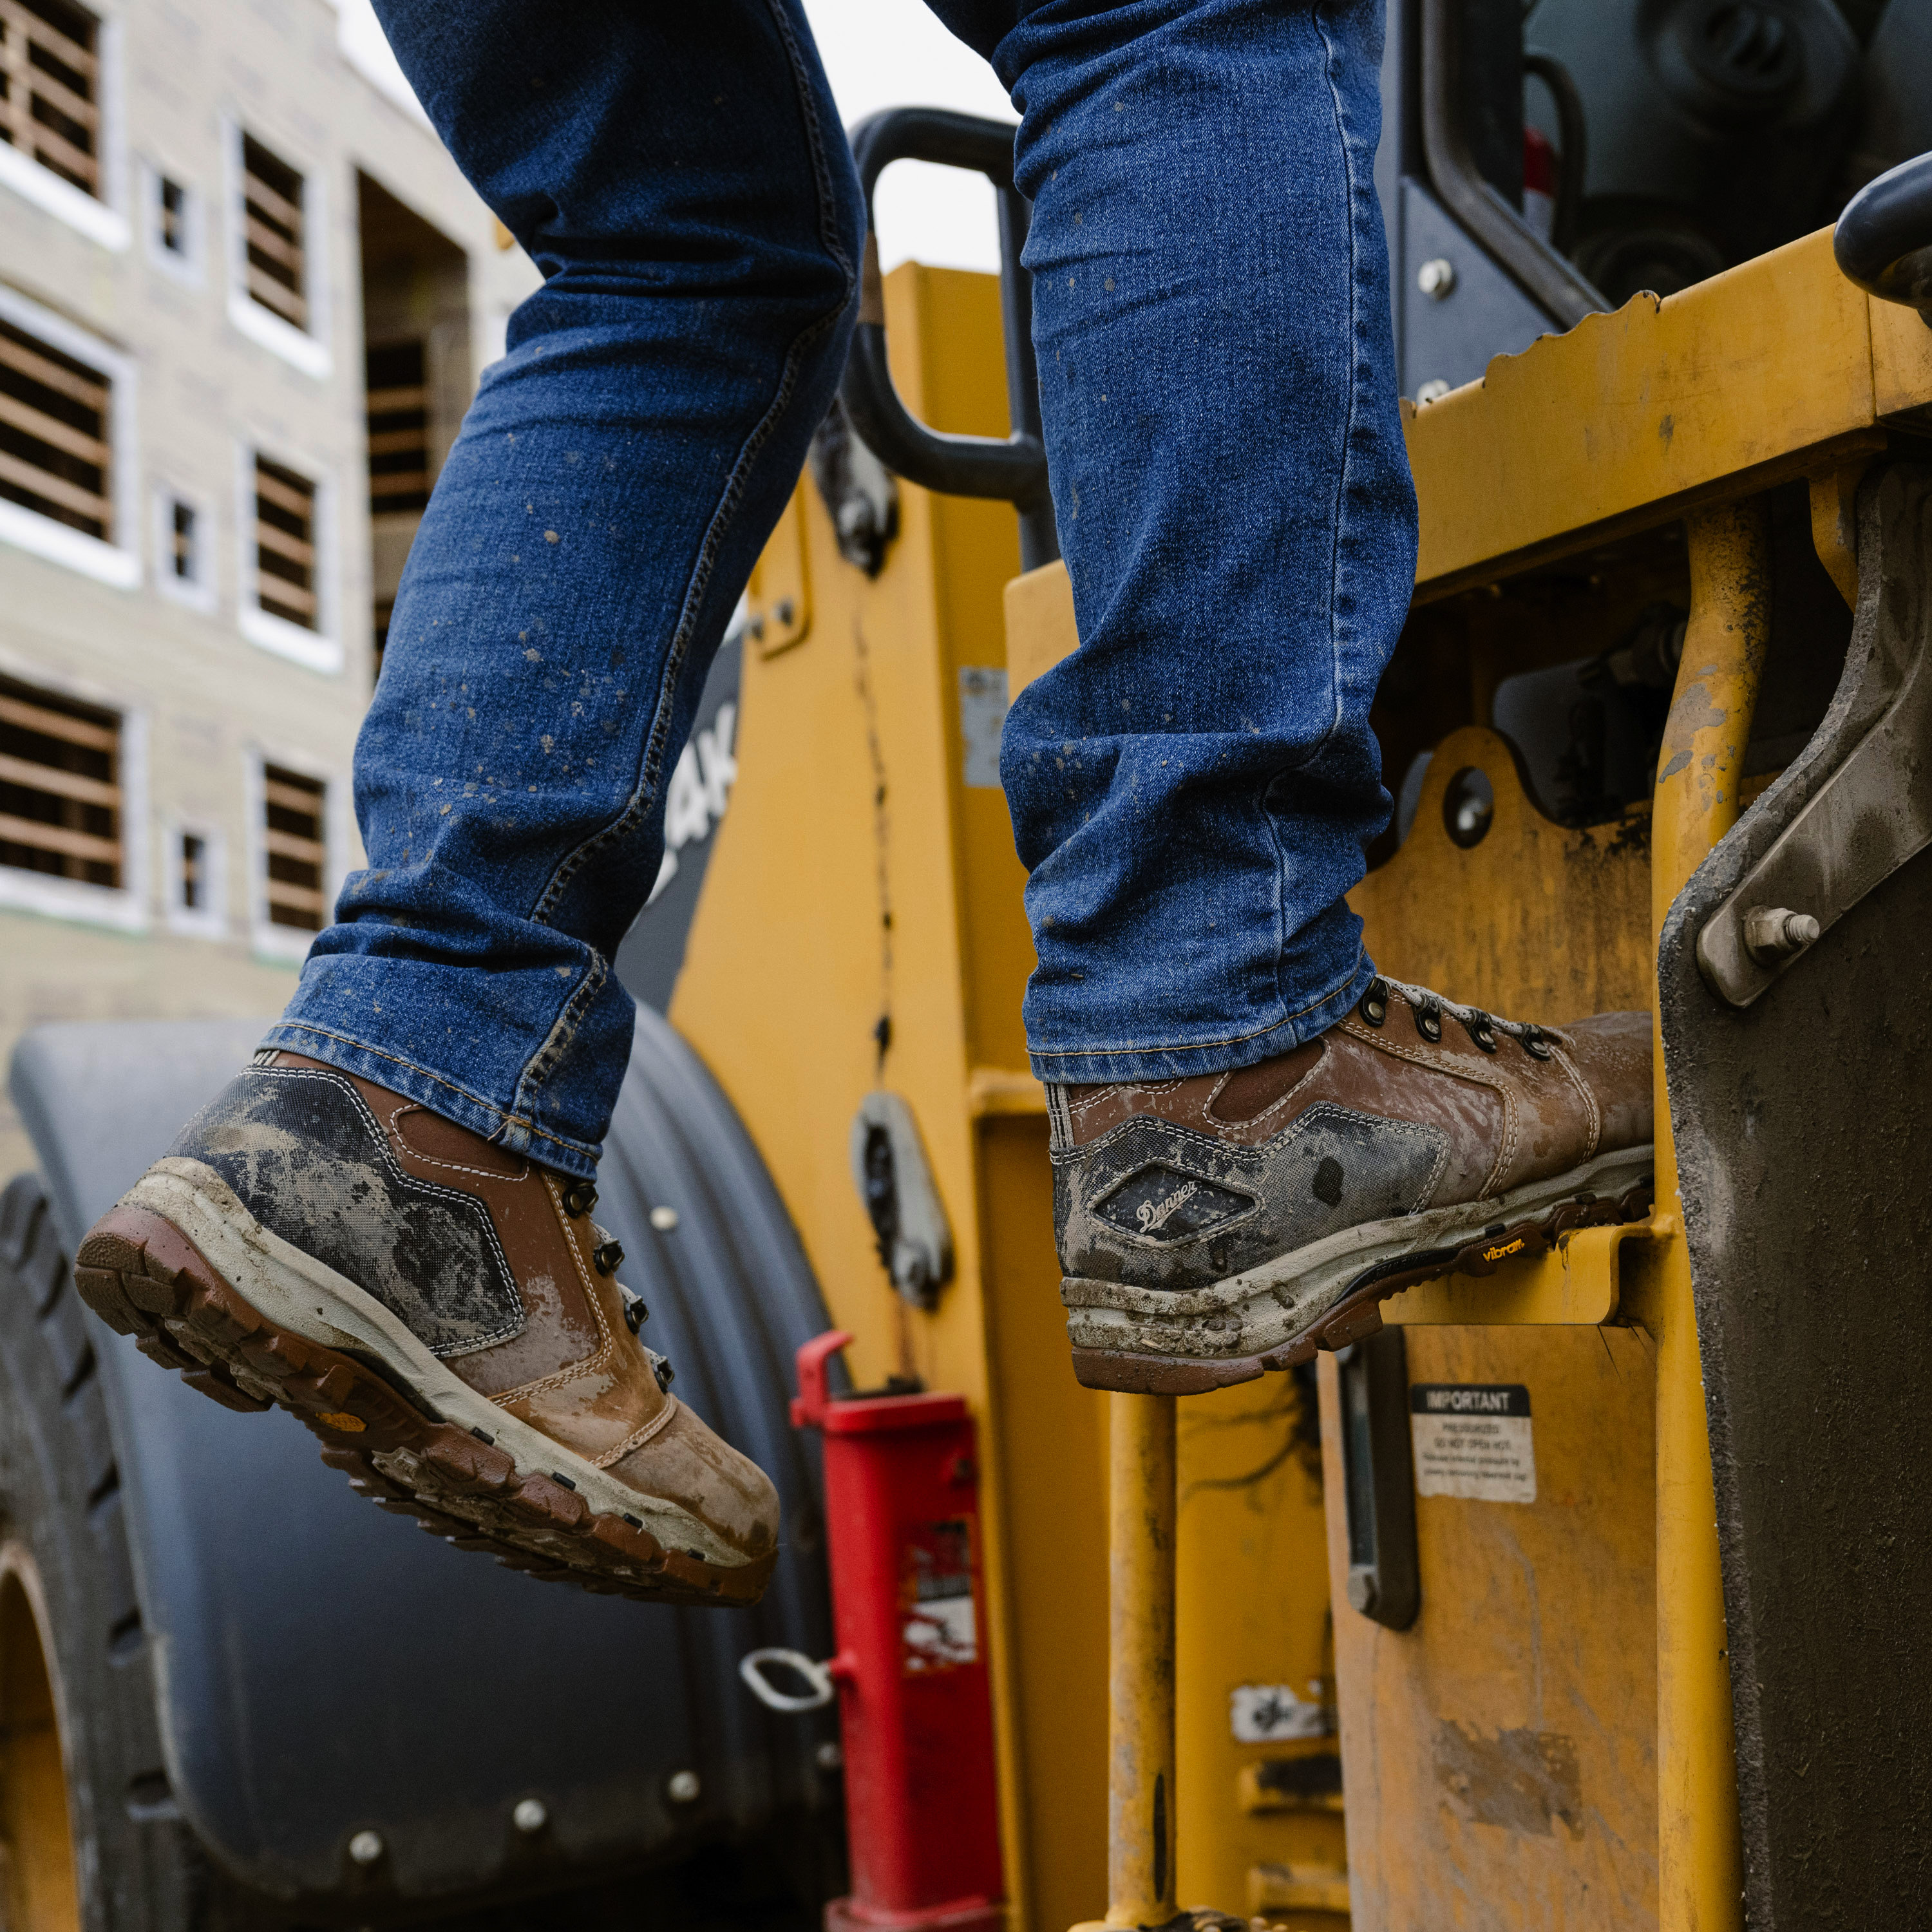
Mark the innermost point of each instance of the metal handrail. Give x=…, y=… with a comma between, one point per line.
x=1013, y=468
x=1542, y=274
x=1884, y=238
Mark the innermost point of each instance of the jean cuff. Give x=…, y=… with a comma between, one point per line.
x=367, y=1062
x=1217, y=1056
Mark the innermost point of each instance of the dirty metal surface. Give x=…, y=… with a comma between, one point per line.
x=1498, y=1757
x=1867, y=782
x=1802, y=1123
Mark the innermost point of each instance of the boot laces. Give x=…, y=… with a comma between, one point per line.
x=1430, y=1007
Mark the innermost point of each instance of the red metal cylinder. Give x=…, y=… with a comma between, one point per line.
x=915, y=1706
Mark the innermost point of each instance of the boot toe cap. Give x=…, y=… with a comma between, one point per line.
x=687, y=1463
x=1613, y=1053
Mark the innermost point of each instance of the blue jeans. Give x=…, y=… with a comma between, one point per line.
x=1191, y=790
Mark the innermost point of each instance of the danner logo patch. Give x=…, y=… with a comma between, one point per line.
x=1160, y=1203
x=1153, y=1216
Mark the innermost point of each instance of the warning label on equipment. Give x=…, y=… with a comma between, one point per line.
x=1472, y=1439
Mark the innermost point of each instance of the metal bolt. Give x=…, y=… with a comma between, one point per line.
x=1432, y=390
x=785, y=610
x=664, y=1220
x=366, y=1847
x=530, y=1816
x=1772, y=933
x=1436, y=278
x=682, y=1787
x=1362, y=1592
x=829, y=1755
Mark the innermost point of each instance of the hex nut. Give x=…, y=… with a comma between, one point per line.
x=1436, y=278
x=682, y=1787
x=1772, y=933
x=531, y=1815
x=366, y=1847
x=664, y=1220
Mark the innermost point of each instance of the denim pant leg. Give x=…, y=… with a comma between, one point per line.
x=1191, y=790
x=680, y=175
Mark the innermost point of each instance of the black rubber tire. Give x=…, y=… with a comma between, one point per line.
x=139, y=1868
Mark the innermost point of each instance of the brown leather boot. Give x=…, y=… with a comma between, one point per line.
x=1212, y=1228
x=445, y=1317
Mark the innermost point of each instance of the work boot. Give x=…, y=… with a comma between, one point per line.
x=1213, y=1227
x=445, y=1316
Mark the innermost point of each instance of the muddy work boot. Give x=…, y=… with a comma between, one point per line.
x=445, y=1317
x=1214, y=1227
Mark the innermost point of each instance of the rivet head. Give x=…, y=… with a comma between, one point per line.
x=829, y=1755
x=1436, y=277
x=366, y=1847
x=531, y=1815
x=682, y=1787
x=664, y=1220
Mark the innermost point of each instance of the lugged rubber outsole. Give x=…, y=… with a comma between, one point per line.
x=1356, y=1313
x=146, y=1279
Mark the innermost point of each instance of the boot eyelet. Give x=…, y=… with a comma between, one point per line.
x=1535, y=1045
x=579, y=1198
x=1477, y=1028
x=1428, y=1024
x=1375, y=1004
x=607, y=1257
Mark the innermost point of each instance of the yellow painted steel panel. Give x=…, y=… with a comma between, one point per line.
x=1498, y=1756
x=1253, y=1617
x=858, y=878
x=1763, y=365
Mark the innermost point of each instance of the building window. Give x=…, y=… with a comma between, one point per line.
x=60, y=786
x=274, y=226
x=184, y=557
x=295, y=848
x=171, y=218
x=386, y=609
x=194, y=861
x=56, y=458
x=49, y=70
x=172, y=222
x=285, y=573
x=398, y=406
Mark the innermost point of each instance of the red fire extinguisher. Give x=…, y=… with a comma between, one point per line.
x=915, y=1704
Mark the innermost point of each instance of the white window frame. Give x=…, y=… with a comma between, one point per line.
x=198, y=593
x=118, y=563
x=307, y=349
x=209, y=921
x=320, y=650
x=191, y=268
x=103, y=220
x=123, y=907
x=288, y=945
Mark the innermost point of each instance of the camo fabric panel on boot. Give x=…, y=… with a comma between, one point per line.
x=1157, y=1205
x=301, y=1147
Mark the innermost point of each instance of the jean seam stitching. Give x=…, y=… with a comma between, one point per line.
x=733, y=493
x=507, y=1119
x=1202, y=1046
x=535, y=1074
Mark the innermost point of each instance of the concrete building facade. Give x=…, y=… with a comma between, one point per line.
x=244, y=296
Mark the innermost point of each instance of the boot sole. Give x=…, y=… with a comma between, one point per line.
x=491, y=1483
x=1362, y=1267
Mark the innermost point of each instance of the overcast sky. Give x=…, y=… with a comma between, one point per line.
x=879, y=53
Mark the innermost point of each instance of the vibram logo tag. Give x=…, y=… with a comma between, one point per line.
x=350, y=1425
x=1501, y=1253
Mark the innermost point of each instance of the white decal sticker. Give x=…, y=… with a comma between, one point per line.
x=982, y=716
x=1473, y=1440
x=1265, y=1714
